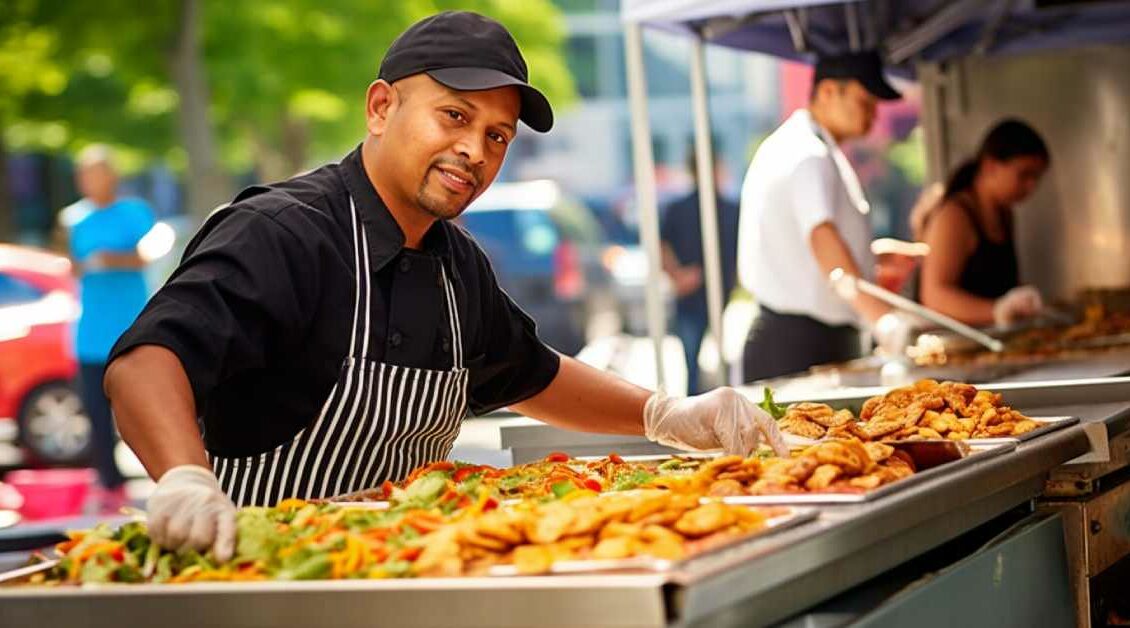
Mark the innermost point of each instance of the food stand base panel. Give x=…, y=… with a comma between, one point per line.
x=1010, y=572
x=1094, y=501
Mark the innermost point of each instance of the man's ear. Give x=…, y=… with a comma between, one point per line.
x=379, y=103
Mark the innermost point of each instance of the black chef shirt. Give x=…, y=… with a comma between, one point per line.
x=260, y=309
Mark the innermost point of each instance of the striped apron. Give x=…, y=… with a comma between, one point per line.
x=379, y=422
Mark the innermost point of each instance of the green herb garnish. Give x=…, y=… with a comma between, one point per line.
x=767, y=404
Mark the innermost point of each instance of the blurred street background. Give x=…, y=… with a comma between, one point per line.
x=197, y=99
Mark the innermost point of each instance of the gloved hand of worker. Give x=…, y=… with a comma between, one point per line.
x=892, y=333
x=720, y=418
x=189, y=510
x=1020, y=302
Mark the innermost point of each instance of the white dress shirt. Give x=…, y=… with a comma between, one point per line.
x=799, y=179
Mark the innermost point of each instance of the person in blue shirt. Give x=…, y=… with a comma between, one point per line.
x=681, y=235
x=103, y=232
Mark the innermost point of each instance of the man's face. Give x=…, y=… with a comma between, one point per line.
x=449, y=144
x=852, y=109
x=97, y=182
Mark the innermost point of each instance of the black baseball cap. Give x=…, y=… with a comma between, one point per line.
x=865, y=67
x=467, y=52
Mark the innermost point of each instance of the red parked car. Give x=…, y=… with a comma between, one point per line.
x=38, y=305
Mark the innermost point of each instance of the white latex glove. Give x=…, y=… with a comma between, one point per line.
x=721, y=418
x=1020, y=302
x=892, y=333
x=189, y=510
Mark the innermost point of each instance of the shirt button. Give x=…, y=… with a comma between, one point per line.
x=446, y=345
x=405, y=264
x=395, y=339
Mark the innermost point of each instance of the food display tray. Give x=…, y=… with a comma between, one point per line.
x=1053, y=423
x=977, y=453
x=794, y=516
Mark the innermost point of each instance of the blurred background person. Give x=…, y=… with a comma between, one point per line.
x=803, y=214
x=102, y=232
x=971, y=272
x=680, y=231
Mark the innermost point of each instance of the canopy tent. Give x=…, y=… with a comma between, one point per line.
x=906, y=31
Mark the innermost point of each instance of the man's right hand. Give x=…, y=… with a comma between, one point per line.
x=722, y=418
x=189, y=510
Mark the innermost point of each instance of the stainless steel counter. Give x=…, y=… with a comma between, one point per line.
x=848, y=545
x=1103, y=399
x=756, y=583
x=866, y=371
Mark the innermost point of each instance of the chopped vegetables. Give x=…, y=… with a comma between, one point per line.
x=311, y=541
x=456, y=519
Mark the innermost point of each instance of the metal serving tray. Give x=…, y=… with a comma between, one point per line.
x=794, y=517
x=977, y=453
x=979, y=449
x=1053, y=423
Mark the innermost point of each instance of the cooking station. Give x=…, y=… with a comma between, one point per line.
x=1035, y=534
x=1013, y=506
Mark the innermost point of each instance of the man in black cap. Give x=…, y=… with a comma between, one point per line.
x=803, y=214
x=328, y=333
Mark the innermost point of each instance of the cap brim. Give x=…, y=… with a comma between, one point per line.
x=535, y=112
x=880, y=88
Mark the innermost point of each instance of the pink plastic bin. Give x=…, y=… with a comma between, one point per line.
x=51, y=493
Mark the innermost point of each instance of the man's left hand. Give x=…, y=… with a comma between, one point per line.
x=722, y=418
x=686, y=280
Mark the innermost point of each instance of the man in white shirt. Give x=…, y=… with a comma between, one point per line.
x=803, y=214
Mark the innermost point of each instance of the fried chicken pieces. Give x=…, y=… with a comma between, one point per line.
x=667, y=520
x=925, y=410
x=833, y=466
x=812, y=420
x=533, y=536
x=950, y=410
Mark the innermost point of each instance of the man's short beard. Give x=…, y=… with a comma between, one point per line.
x=434, y=208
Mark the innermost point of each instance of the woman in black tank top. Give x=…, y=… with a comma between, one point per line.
x=971, y=272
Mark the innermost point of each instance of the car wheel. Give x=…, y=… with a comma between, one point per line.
x=53, y=425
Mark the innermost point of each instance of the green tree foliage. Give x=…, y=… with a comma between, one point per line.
x=284, y=81
x=289, y=79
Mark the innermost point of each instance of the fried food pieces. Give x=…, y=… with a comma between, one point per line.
x=847, y=465
x=533, y=536
x=950, y=410
x=812, y=420
x=925, y=410
x=1100, y=323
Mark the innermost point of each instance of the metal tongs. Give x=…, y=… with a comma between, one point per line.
x=24, y=572
x=849, y=285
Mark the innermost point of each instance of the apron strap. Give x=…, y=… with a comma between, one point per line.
x=359, y=337
x=362, y=299
x=452, y=320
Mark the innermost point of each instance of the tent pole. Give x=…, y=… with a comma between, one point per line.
x=904, y=45
x=851, y=17
x=643, y=162
x=707, y=200
x=796, y=30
